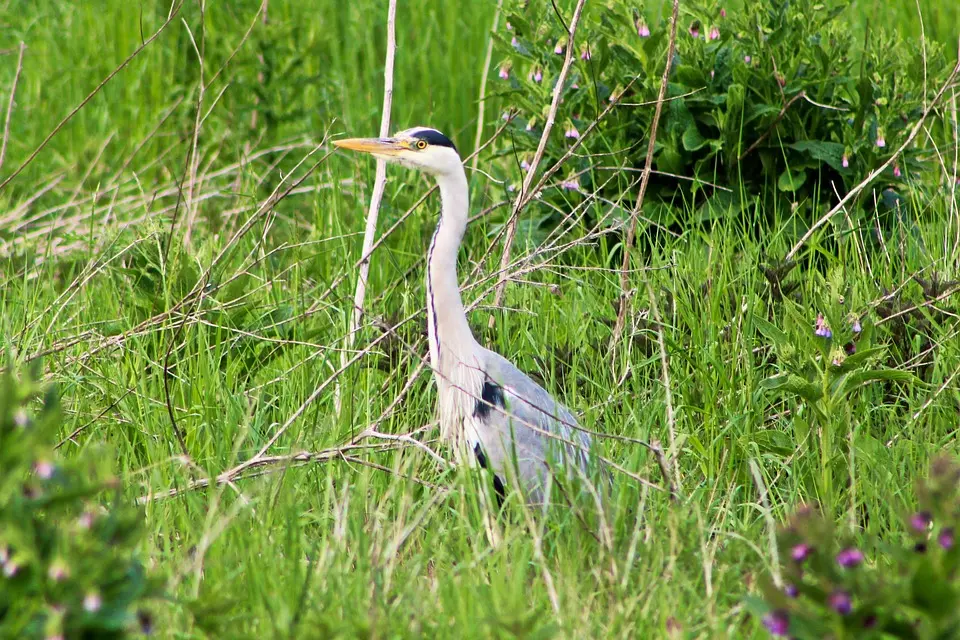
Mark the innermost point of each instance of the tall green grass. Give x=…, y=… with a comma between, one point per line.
x=339, y=547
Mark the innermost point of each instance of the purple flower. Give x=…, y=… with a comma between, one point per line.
x=714, y=33
x=777, y=623
x=821, y=328
x=850, y=557
x=571, y=185
x=747, y=59
x=800, y=552
x=643, y=30
x=856, y=326
x=504, y=72
x=920, y=521
x=92, y=602
x=791, y=590
x=509, y=27
x=880, y=140
x=945, y=539
x=537, y=75
x=845, y=161
x=840, y=602
x=524, y=165
x=896, y=171
x=572, y=132
x=514, y=42
x=43, y=469
x=585, y=54
x=558, y=49
x=723, y=13
x=58, y=571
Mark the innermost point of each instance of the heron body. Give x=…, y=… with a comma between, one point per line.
x=491, y=413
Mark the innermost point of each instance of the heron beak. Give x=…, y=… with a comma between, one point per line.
x=376, y=146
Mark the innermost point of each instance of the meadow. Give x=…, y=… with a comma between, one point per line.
x=180, y=257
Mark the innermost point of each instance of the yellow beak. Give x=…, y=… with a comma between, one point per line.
x=376, y=146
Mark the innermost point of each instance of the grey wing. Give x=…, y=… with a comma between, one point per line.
x=517, y=421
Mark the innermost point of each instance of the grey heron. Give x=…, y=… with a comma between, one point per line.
x=491, y=413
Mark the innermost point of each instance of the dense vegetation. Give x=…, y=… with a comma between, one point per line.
x=178, y=262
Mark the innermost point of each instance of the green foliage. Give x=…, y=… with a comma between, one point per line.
x=886, y=589
x=68, y=561
x=780, y=98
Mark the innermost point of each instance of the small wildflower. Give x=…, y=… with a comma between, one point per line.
x=781, y=80
x=537, y=75
x=845, y=162
x=946, y=539
x=10, y=569
x=800, y=552
x=509, y=27
x=571, y=185
x=896, y=171
x=504, y=72
x=747, y=59
x=840, y=602
x=850, y=557
x=514, y=42
x=572, y=132
x=920, y=521
x=777, y=623
x=58, y=571
x=585, y=54
x=575, y=86
x=714, y=33
x=524, y=165
x=507, y=116
x=43, y=469
x=723, y=13
x=850, y=348
x=92, y=602
x=856, y=326
x=821, y=328
x=712, y=73
x=558, y=49
x=695, y=30
x=21, y=419
x=643, y=30
x=85, y=521
x=881, y=142
x=791, y=590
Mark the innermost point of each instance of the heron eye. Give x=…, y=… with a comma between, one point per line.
x=421, y=144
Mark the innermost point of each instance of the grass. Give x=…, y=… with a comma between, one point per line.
x=91, y=280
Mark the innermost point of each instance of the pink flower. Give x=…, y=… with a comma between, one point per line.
x=850, y=557
x=536, y=75
x=712, y=73
x=585, y=54
x=695, y=30
x=504, y=72
x=723, y=13
x=514, y=42
x=845, y=161
x=881, y=142
x=558, y=49
x=92, y=602
x=747, y=59
x=896, y=171
x=571, y=185
x=572, y=132
x=43, y=469
x=509, y=27
x=800, y=552
x=714, y=33
x=524, y=165
x=643, y=30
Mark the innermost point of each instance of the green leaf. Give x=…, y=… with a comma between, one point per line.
x=692, y=140
x=790, y=181
x=823, y=151
x=793, y=384
x=771, y=332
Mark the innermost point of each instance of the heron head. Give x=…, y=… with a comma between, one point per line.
x=420, y=148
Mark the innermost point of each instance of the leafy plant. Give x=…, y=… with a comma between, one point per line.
x=778, y=97
x=68, y=567
x=823, y=363
x=835, y=588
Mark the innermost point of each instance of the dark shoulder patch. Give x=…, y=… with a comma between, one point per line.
x=490, y=396
x=434, y=137
x=482, y=459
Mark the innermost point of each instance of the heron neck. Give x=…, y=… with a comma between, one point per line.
x=447, y=324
